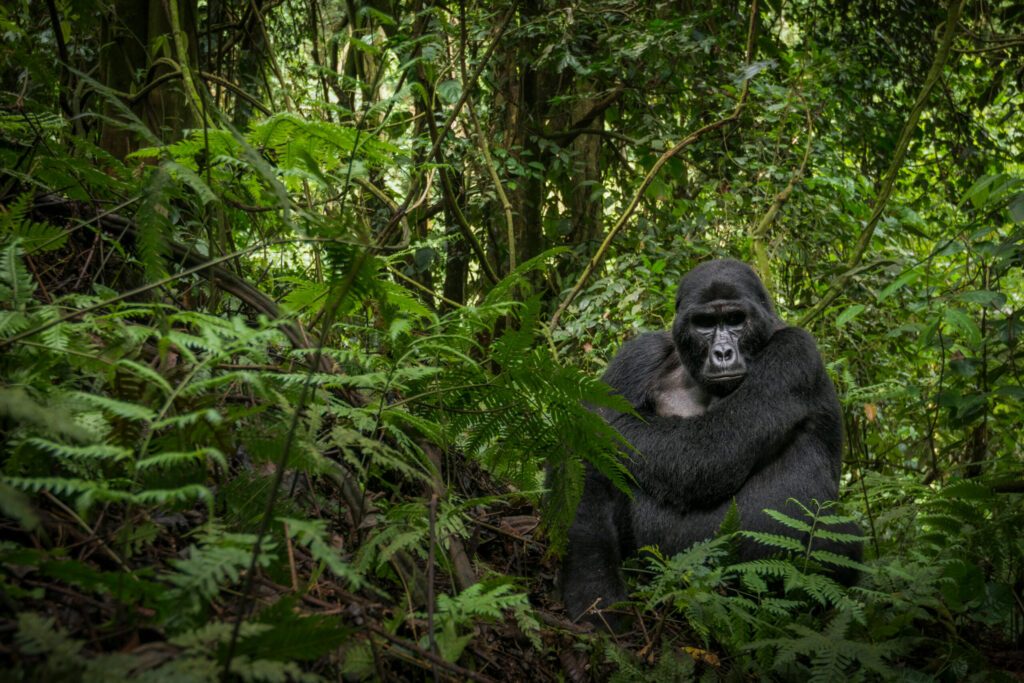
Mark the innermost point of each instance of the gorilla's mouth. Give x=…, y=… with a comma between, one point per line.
x=726, y=378
x=721, y=385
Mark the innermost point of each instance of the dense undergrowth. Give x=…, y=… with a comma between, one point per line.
x=295, y=372
x=144, y=442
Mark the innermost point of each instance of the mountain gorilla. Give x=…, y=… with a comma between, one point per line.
x=733, y=404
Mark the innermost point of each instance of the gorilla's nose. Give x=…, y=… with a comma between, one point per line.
x=722, y=354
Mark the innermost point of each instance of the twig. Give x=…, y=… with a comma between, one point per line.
x=291, y=558
x=233, y=87
x=82, y=523
x=405, y=278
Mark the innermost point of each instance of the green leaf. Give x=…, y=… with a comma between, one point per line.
x=146, y=373
x=983, y=297
x=191, y=178
x=959, y=320
x=449, y=91
x=849, y=314
x=775, y=540
x=902, y=281
x=129, y=411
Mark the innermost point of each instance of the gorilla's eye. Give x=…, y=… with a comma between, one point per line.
x=735, y=318
x=704, y=321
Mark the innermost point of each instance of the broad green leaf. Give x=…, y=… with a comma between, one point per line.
x=959, y=320
x=900, y=282
x=849, y=314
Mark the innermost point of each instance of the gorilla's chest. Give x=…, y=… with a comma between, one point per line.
x=677, y=394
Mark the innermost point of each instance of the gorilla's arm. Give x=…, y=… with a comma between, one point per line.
x=697, y=462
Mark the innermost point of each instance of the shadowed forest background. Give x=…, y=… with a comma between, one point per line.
x=302, y=303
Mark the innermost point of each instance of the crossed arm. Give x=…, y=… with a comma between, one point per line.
x=697, y=462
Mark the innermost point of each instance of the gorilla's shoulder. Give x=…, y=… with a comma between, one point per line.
x=794, y=353
x=636, y=365
x=795, y=338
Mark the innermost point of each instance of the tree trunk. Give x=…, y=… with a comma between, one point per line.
x=134, y=36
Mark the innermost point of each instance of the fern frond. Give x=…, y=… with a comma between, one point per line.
x=766, y=567
x=15, y=223
x=182, y=494
x=775, y=540
x=310, y=533
x=16, y=283
x=59, y=486
x=83, y=453
x=216, y=633
x=837, y=536
x=210, y=415
x=172, y=459
x=788, y=521
x=831, y=559
x=146, y=373
x=41, y=636
x=214, y=564
x=116, y=407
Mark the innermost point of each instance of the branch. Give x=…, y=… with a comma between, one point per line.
x=596, y=259
x=506, y=205
x=237, y=90
x=900, y=153
x=184, y=64
x=582, y=125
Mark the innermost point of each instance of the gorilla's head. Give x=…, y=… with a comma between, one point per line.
x=723, y=319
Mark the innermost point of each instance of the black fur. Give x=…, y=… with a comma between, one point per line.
x=774, y=436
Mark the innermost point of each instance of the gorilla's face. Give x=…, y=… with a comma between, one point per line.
x=723, y=320
x=718, y=329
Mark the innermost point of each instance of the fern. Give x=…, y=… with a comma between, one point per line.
x=310, y=533
x=827, y=655
x=180, y=495
x=16, y=284
x=173, y=459
x=670, y=667
x=20, y=407
x=530, y=421
x=16, y=225
x=209, y=637
x=455, y=616
x=83, y=490
x=212, y=565
x=779, y=541
x=39, y=636
x=116, y=407
x=95, y=452
x=145, y=372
